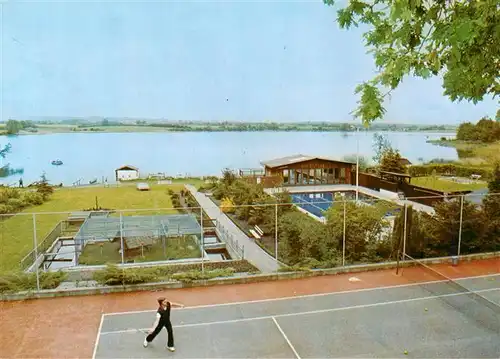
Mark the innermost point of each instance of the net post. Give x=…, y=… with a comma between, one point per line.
x=202, y=240
x=460, y=227
x=276, y=232
x=35, y=244
x=404, y=231
x=121, y=238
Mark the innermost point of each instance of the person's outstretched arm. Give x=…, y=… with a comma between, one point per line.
x=173, y=304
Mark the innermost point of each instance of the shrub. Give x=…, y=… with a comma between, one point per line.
x=18, y=282
x=295, y=268
x=227, y=205
x=7, y=193
x=4, y=209
x=198, y=275
x=16, y=203
x=113, y=275
x=33, y=198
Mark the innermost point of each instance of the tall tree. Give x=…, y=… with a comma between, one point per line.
x=380, y=145
x=391, y=162
x=5, y=169
x=364, y=225
x=491, y=212
x=444, y=228
x=457, y=40
x=13, y=127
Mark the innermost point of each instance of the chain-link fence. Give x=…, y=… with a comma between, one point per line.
x=313, y=230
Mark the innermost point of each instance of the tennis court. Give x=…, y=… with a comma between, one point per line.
x=438, y=318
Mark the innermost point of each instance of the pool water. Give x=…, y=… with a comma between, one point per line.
x=317, y=203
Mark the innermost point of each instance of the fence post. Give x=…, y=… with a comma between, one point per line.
x=404, y=232
x=202, y=239
x=121, y=239
x=36, y=253
x=461, y=223
x=276, y=233
x=343, y=237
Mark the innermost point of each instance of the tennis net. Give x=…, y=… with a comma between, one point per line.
x=480, y=308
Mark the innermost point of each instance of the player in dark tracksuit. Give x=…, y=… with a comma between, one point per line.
x=163, y=320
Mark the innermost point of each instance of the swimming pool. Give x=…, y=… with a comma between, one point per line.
x=318, y=202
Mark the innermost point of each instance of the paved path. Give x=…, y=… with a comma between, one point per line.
x=67, y=327
x=253, y=253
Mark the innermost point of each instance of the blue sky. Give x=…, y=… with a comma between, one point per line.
x=209, y=61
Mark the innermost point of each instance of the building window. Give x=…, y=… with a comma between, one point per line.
x=285, y=176
x=318, y=176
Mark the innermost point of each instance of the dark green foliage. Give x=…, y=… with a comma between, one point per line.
x=457, y=40
x=13, y=200
x=18, y=282
x=391, y=162
x=113, y=275
x=486, y=130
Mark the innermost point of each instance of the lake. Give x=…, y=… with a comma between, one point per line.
x=89, y=156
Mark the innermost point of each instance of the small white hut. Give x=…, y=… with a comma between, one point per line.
x=127, y=173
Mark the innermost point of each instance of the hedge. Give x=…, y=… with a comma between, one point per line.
x=18, y=282
x=113, y=275
x=448, y=169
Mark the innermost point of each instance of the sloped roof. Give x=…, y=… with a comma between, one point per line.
x=283, y=161
x=405, y=161
x=127, y=168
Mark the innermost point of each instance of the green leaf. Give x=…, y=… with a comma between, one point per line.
x=344, y=18
x=463, y=31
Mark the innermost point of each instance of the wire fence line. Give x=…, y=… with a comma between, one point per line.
x=181, y=209
x=60, y=228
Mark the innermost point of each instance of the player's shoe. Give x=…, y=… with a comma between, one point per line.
x=172, y=349
x=145, y=344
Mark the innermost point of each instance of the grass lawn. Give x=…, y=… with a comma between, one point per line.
x=444, y=185
x=176, y=248
x=16, y=233
x=478, y=154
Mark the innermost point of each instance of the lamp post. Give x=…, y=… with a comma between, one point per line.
x=357, y=163
x=343, y=237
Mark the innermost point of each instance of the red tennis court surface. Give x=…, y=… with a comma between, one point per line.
x=67, y=327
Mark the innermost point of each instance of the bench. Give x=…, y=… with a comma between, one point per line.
x=257, y=233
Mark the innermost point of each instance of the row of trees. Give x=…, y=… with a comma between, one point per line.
x=486, y=130
x=13, y=127
x=438, y=235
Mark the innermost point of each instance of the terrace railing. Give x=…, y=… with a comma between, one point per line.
x=59, y=230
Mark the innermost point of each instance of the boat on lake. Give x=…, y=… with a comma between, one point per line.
x=57, y=162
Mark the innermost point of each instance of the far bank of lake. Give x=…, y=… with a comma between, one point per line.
x=90, y=156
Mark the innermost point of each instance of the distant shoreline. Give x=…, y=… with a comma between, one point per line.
x=49, y=130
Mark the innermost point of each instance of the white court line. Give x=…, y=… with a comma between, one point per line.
x=361, y=306
x=286, y=338
x=305, y=295
x=98, y=337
